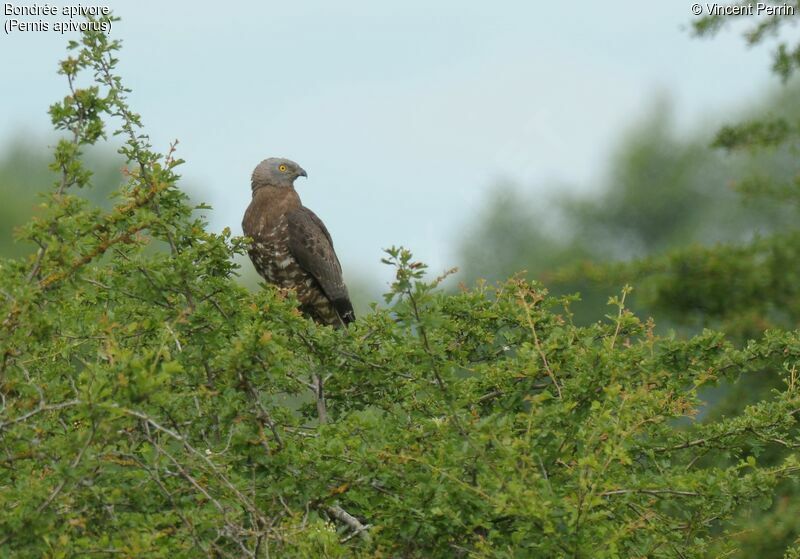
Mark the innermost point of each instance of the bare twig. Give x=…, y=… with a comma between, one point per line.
x=37, y=265
x=39, y=409
x=650, y=492
x=319, y=392
x=354, y=523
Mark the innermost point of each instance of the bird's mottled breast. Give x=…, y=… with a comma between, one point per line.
x=266, y=222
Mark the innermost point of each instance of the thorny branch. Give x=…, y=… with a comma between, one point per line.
x=537, y=344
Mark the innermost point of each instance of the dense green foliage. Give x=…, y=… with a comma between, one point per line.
x=151, y=407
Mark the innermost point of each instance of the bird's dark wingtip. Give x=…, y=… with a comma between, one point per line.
x=344, y=308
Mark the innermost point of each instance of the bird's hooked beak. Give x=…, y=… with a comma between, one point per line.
x=301, y=172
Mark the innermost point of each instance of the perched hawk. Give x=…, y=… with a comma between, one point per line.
x=291, y=246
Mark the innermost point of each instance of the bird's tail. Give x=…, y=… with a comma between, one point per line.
x=344, y=308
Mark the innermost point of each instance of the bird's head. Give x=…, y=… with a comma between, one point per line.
x=276, y=171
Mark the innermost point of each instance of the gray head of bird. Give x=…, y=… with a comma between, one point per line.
x=276, y=171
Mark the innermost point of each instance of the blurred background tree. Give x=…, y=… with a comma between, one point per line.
x=25, y=175
x=703, y=224
x=663, y=190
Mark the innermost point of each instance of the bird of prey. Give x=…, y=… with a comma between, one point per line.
x=292, y=247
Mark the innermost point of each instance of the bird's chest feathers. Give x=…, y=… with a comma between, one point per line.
x=266, y=215
x=267, y=223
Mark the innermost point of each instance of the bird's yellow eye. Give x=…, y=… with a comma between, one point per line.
x=282, y=168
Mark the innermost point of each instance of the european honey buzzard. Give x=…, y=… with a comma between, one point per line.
x=292, y=247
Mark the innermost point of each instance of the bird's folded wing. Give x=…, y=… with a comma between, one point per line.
x=312, y=247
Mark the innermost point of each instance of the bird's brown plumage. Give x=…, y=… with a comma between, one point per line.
x=291, y=247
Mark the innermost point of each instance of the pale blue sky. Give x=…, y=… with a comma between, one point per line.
x=403, y=113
